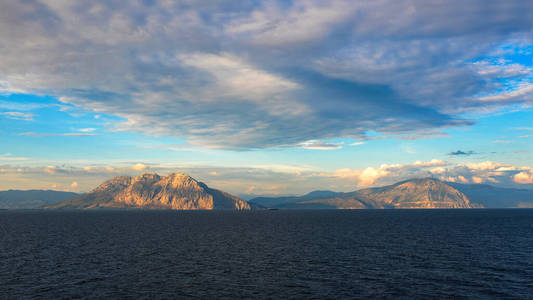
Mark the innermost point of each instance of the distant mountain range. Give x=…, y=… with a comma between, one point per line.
x=182, y=192
x=495, y=197
x=414, y=193
x=151, y=191
x=16, y=199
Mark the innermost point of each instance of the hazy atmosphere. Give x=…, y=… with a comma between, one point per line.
x=266, y=98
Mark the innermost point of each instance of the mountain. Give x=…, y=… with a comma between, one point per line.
x=287, y=200
x=414, y=193
x=495, y=197
x=151, y=191
x=16, y=199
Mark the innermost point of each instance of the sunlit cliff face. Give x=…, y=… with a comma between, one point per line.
x=151, y=191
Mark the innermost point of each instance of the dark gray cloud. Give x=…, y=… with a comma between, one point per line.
x=462, y=153
x=269, y=74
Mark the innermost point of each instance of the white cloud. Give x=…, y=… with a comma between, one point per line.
x=370, y=175
x=524, y=128
x=319, y=145
x=234, y=77
x=523, y=90
x=87, y=129
x=477, y=180
x=463, y=173
x=39, y=134
x=16, y=115
x=50, y=170
x=525, y=177
x=9, y=157
x=139, y=167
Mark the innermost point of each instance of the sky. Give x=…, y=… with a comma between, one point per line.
x=266, y=97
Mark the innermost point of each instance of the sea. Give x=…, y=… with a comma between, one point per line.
x=282, y=254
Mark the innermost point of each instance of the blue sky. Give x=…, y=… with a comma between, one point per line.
x=278, y=97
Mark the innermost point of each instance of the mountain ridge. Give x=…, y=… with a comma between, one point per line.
x=411, y=193
x=152, y=191
x=180, y=191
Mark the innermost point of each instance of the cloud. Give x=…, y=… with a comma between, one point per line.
x=50, y=170
x=273, y=73
x=304, y=21
x=15, y=115
x=363, y=177
x=234, y=77
x=369, y=176
x=482, y=172
x=9, y=157
x=501, y=141
x=519, y=92
x=319, y=145
x=87, y=129
x=524, y=128
x=477, y=180
x=40, y=134
x=461, y=153
x=139, y=167
x=525, y=177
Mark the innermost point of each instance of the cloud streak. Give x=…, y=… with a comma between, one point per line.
x=16, y=115
x=319, y=145
x=40, y=134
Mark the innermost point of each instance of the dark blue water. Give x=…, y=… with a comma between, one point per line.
x=267, y=254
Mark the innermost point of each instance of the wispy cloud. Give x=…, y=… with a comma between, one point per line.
x=9, y=157
x=40, y=134
x=87, y=129
x=16, y=115
x=524, y=128
x=319, y=145
x=501, y=141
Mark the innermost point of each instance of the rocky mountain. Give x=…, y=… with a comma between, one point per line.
x=414, y=193
x=151, y=191
x=31, y=199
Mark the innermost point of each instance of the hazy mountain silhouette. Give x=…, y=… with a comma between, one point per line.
x=414, y=193
x=30, y=199
x=495, y=197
